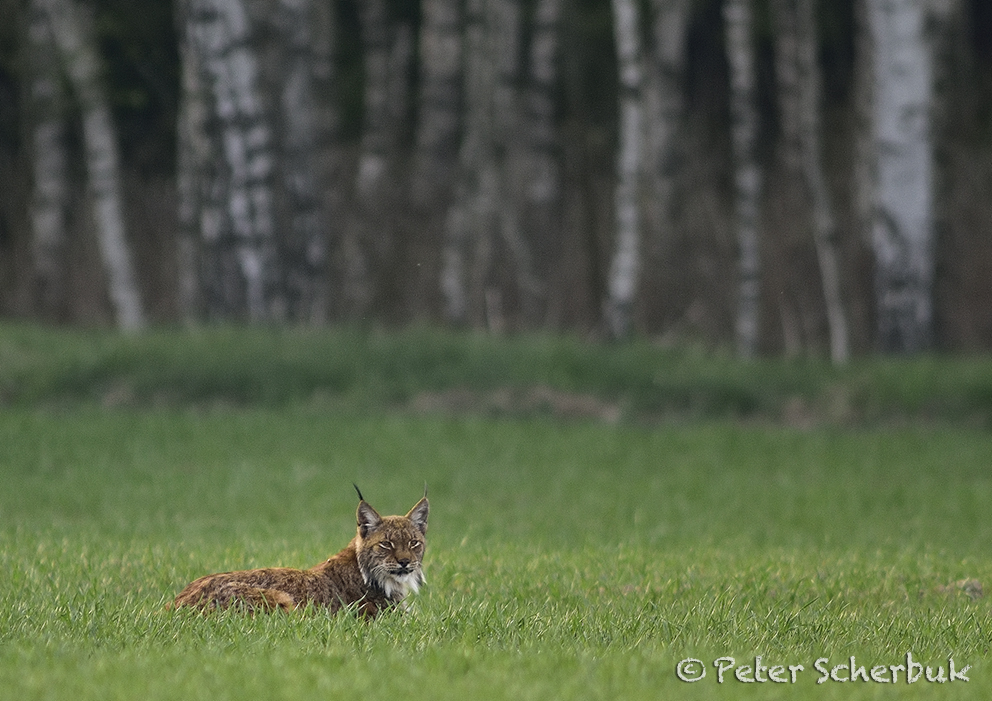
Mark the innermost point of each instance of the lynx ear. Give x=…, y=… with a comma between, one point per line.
x=368, y=518
x=418, y=514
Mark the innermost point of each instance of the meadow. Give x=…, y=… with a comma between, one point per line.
x=571, y=555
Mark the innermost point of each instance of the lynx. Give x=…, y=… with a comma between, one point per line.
x=378, y=568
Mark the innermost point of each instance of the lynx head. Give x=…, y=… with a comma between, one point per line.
x=391, y=548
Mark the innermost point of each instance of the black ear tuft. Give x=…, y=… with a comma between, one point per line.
x=418, y=514
x=368, y=518
x=360, y=497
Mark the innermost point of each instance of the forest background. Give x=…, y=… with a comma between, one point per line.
x=780, y=176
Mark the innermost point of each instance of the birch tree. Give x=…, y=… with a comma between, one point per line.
x=48, y=127
x=901, y=63
x=71, y=26
x=625, y=265
x=748, y=177
x=240, y=271
x=799, y=81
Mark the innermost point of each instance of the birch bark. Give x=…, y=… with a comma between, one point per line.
x=901, y=64
x=238, y=225
x=72, y=28
x=626, y=261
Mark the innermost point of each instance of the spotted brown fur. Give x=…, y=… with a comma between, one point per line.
x=379, y=567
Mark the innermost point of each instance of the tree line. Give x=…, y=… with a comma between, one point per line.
x=779, y=176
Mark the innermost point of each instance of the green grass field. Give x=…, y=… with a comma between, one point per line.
x=571, y=558
x=566, y=560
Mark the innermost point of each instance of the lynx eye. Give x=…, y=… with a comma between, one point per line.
x=386, y=545
x=414, y=544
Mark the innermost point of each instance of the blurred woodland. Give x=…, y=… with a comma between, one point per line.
x=781, y=177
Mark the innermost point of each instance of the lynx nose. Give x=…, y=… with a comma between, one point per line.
x=404, y=562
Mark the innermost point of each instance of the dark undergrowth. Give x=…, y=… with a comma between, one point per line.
x=433, y=369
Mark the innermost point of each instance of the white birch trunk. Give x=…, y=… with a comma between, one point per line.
x=72, y=28
x=903, y=217
x=738, y=21
x=626, y=262
x=210, y=284
x=799, y=81
x=50, y=161
x=219, y=32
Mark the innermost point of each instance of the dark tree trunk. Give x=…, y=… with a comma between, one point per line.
x=304, y=241
x=799, y=80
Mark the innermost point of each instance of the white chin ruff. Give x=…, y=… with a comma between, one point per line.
x=401, y=585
